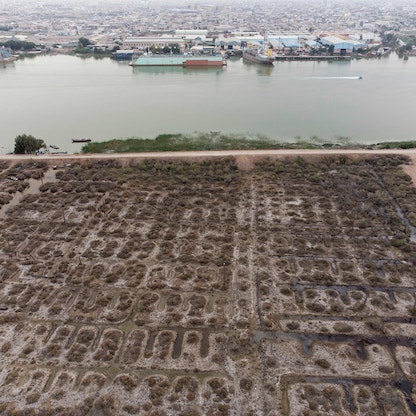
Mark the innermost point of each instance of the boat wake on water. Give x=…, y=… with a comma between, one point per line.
x=356, y=77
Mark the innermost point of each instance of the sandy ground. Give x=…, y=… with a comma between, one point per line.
x=217, y=153
x=411, y=170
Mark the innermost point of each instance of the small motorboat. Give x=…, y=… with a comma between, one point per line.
x=81, y=140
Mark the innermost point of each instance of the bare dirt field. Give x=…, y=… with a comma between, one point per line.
x=239, y=284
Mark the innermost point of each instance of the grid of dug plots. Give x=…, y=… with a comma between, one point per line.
x=179, y=288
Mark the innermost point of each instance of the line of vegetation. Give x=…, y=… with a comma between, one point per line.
x=88, y=48
x=200, y=141
x=27, y=144
x=218, y=141
x=19, y=45
x=411, y=144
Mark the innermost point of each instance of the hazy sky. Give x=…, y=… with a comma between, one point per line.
x=190, y=2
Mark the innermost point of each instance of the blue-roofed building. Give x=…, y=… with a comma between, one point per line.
x=313, y=44
x=238, y=42
x=251, y=40
x=341, y=46
x=284, y=41
x=228, y=44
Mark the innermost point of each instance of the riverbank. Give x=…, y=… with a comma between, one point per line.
x=411, y=153
x=244, y=158
x=219, y=141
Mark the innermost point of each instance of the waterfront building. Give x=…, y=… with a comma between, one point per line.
x=147, y=42
x=6, y=54
x=341, y=46
x=284, y=41
x=228, y=43
x=123, y=55
x=251, y=40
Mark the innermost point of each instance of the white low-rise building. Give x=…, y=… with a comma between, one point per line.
x=191, y=33
x=147, y=42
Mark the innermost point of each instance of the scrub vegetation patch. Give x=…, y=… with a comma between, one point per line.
x=166, y=287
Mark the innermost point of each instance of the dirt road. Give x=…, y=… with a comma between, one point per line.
x=214, y=153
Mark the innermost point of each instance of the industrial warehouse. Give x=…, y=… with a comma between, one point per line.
x=202, y=42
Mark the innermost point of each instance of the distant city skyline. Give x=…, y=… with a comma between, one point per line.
x=4, y=3
x=108, y=21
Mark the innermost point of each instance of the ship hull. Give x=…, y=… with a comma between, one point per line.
x=182, y=60
x=256, y=58
x=203, y=63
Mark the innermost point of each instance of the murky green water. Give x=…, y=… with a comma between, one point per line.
x=58, y=98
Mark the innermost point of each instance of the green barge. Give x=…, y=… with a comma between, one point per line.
x=180, y=60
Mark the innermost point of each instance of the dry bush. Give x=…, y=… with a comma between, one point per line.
x=158, y=389
x=187, y=387
x=147, y=302
x=4, y=164
x=220, y=389
x=5, y=347
x=128, y=381
x=5, y=198
x=97, y=271
x=108, y=346
x=134, y=345
x=192, y=337
x=106, y=405
x=96, y=380
x=135, y=275
x=197, y=305
x=163, y=344
x=173, y=300
x=329, y=399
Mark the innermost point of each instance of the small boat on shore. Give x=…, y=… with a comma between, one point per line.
x=81, y=140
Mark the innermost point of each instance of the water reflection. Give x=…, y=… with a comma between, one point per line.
x=104, y=97
x=175, y=70
x=262, y=70
x=32, y=189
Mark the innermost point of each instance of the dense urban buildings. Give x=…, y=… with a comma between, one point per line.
x=110, y=23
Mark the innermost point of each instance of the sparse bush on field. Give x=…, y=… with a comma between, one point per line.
x=179, y=264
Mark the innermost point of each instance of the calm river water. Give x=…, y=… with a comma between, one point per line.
x=58, y=98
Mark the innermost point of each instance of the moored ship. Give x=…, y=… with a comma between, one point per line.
x=180, y=60
x=205, y=61
x=258, y=56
